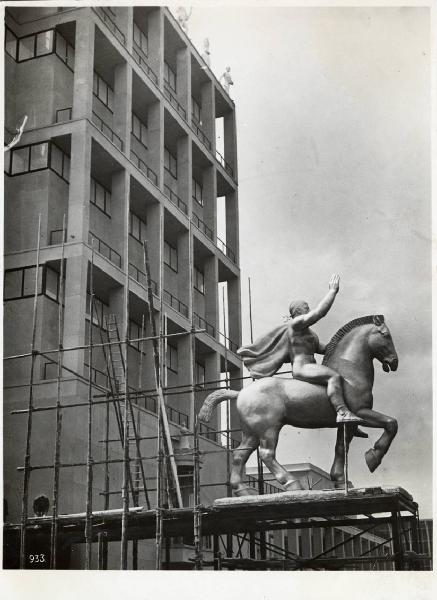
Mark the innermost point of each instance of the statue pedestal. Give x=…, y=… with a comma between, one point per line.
x=311, y=495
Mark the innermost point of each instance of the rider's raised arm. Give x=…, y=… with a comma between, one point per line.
x=308, y=319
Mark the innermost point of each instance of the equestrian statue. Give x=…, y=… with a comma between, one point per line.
x=319, y=395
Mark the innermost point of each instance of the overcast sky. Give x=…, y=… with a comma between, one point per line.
x=333, y=110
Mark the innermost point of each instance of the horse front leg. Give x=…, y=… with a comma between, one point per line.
x=337, y=469
x=374, y=419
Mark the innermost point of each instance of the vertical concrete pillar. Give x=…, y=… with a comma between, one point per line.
x=210, y=271
x=232, y=224
x=83, y=69
x=125, y=20
x=209, y=183
x=75, y=309
x=155, y=35
x=119, y=200
x=183, y=79
x=123, y=103
x=184, y=264
x=208, y=112
x=185, y=371
x=184, y=173
x=230, y=141
x=234, y=310
x=154, y=239
x=79, y=189
x=155, y=128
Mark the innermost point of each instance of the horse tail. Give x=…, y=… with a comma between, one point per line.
x=213, y=400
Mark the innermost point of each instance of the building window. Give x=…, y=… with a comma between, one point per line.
x=134, y=334
x=140, y=40
x=103, y=91
x=172, y=358
x=100, y=311
x=64, y=51
x=200, y=374
x=170, y=256
x=195, y=111
x=137, y=227
x=199, y=280
x=44, y=43
x=139, y=129
x=100, y=197
x=11, y=43
x=197, y=192
x=170, y=163
x=20, y=283
x=37, y=157
x=169, y=76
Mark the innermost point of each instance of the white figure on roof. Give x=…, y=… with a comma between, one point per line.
x=226, y=79
x=206, y=54
x=183, y=17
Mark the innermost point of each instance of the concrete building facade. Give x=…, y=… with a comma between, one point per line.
x=129, y=136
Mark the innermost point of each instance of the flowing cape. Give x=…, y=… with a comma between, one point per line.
x=267, y=354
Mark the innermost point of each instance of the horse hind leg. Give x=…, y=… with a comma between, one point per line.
x=240, y=457
x=267, y=452
x=337, y=469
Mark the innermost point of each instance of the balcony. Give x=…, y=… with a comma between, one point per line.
x=107, y=131
x=64, y=114
x=175, y=303
x=102, y=248
x=203, y=227
x=141, y=61
x=151, y=403
x=227, y=343
x=141, y=278
x=201, y=323
x=105, y=16
x=227, y=167
x=202, y=137
x=175, y=199
x=174, y=102
x=141, y=166
x=226, y=250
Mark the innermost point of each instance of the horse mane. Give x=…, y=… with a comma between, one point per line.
x=331, y=346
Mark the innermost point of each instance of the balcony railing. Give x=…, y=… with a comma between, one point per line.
x=203, y=227
x=141, y=166
x=175, y=199
x=56, y=237
x=107, y=131
x=226, y=250
x=142, y=63
x=202, y=137
x=174, y=102
x=97, y=376
x=228, y=343
x=110, y=24
x=102, y=248
x=201, y=323
x=141, y=278
x=175, y=303
x=64, y=114
x=208, y=432
x=227, y=167
x=151, y=403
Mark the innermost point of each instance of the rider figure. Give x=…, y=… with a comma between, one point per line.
x=296, y=343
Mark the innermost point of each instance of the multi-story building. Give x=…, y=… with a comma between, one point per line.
x=129, y=137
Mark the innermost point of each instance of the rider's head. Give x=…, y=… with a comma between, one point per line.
x=298, y=307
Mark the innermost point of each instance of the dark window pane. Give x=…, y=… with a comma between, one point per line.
x=29, y=281
x=12, y=285
x=56, y=160
x=26, y=47
x=11, y=44
x=20, y=160
x=66, y=173
x=38, y=156
x=51, y=284
x=61, y=47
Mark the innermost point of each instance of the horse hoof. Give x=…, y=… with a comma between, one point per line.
x=292, y=486
x=245, y=491
x=372, y=460
x=339, y=485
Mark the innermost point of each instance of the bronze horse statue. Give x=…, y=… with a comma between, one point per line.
x=268, y=404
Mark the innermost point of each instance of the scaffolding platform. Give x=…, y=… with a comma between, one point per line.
x=288, y=510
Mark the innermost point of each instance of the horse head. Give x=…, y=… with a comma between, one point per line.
x=381, y=344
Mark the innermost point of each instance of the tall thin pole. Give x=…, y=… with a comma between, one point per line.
x=27, y=467
x=126, y=465
x=54, y=529
x=229, y=545
x=89, y=501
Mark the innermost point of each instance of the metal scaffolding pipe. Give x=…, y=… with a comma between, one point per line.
x=89, y=479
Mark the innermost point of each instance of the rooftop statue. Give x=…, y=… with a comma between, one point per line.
x=206, y=54
x=226, y=79
x=337, y=391
x=183, y=17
